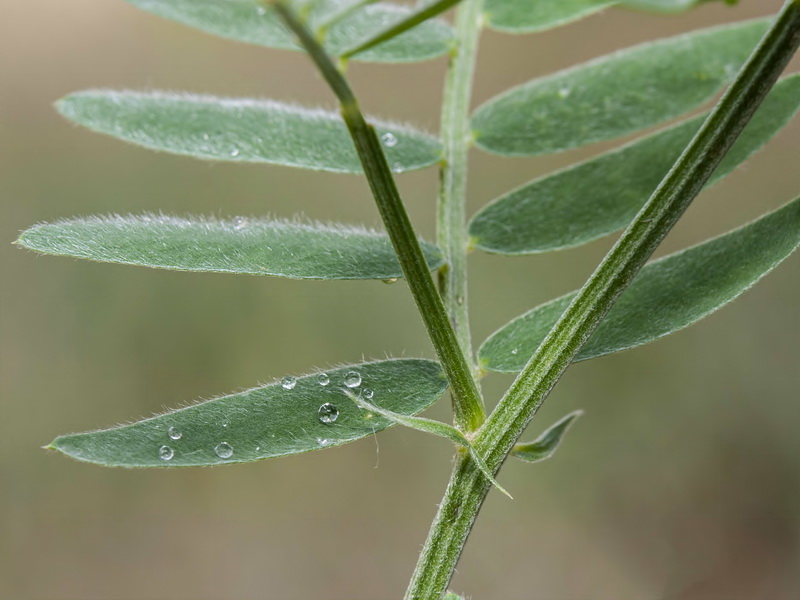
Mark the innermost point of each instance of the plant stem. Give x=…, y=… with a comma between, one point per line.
x=344, y=11
x=451, y=231
x=467, y=403
x=393, y=30
x=467, y=489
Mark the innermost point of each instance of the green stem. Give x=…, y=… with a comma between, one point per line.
x=467, y=488
x=451, y=230
x=467, y=403
x=412, y=20
x=337, y=15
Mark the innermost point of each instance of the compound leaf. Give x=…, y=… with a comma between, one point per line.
x=667, y=295
x=242, y=245
x=288, y=417
x=525, y=16
x=547, y=443
x=241, y=130
x=602, y=195
x=252, y=22
x=616, y=94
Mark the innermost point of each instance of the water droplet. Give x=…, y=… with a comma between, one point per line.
x=564, y=92
x=368, y=393
x=515, y=350
x=239, y=223
x=261, y=11
x=324, y=442
x=389, y=140
x=206, y=137
x=166, y=453
x=352, y=379
x=323, y=379
x=397, y=168
x=288, y=382
x=224, y=450
x=174, y=433
x=459, y=300
x=234, y=152
x=328, y=413
x=224, y=423
x=391, y=280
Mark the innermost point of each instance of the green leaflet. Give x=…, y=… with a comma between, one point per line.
x=241, y=130
x=546, y=444
x=253, y=22
x=668, y=6
x=242, y=245
x=616, y=94
x=525, y=16
x=288, y=417
x=602, y=195
x=666, y=296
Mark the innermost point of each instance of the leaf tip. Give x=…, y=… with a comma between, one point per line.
x=61, y=104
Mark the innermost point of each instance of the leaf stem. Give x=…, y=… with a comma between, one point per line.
x=393, y=30
x=343, y=11
x=467, y=488
x=467, y=403
x=451, y=230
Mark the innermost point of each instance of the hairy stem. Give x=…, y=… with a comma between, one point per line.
x=451, y=230
x=466, y=489
x=467, y=403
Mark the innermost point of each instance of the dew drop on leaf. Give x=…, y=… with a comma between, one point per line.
x=174, y=434
x=234, y=152
x=390, y=280
x=288, y=382
x=239, y=223
x=368, y=393
x=166, y=453
x=224, y=450
x=352, y=379
x=564, y=92
x=323, y=379
x=389, y=140
x=324, y=442
x=328, y=413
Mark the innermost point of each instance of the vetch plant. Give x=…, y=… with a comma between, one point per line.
x=642, y=188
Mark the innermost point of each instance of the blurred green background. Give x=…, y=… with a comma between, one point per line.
x=682, y=481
